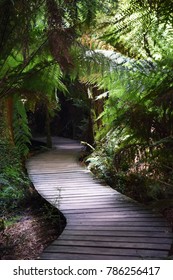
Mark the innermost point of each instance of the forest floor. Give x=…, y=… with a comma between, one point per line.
x=30, y=231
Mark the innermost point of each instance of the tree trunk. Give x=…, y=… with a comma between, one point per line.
x=9, y=105
x=6, y=113
x=90, y=132
x=47, y=128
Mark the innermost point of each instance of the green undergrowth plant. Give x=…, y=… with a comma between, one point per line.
x=14, y=183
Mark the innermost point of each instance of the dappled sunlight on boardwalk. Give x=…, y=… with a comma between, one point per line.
x=101, y=223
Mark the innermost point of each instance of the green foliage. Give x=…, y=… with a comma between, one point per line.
x=11, y=221
x=135, y=85
x=139, y=28
x=143, y=177
x=44, y=77
x=134, y=143
x=21, y=129
x=19, y=17
x=13, y=181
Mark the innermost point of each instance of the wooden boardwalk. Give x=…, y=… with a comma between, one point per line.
x=101, y=223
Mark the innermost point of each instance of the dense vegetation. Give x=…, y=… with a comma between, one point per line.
x=134, y=150
x=112, y=62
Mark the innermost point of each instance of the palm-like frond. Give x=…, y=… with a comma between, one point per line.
x=21, y=129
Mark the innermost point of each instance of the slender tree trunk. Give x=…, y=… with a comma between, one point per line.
x=47, y=128
x=2, y=119
x=9, y=104
x=90, y=134
x=98, y=106
x=6, y=112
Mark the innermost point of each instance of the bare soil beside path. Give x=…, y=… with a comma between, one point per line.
x=35, y=228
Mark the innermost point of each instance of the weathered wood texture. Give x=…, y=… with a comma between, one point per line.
x=101, y=223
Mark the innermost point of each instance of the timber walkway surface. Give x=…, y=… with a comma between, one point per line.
x=101, y=223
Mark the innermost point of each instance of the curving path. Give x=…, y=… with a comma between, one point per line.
x=101, y=223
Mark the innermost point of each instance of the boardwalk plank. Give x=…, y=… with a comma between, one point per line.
x=127, y=228
x=131, y=239
x=108, y=251
x=108, y=244
x=81, y=256
x=118, y=223
x=119, y=233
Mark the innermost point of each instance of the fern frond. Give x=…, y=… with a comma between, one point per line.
x=21, y=129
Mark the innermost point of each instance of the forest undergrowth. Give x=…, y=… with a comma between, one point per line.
x=145, y=178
